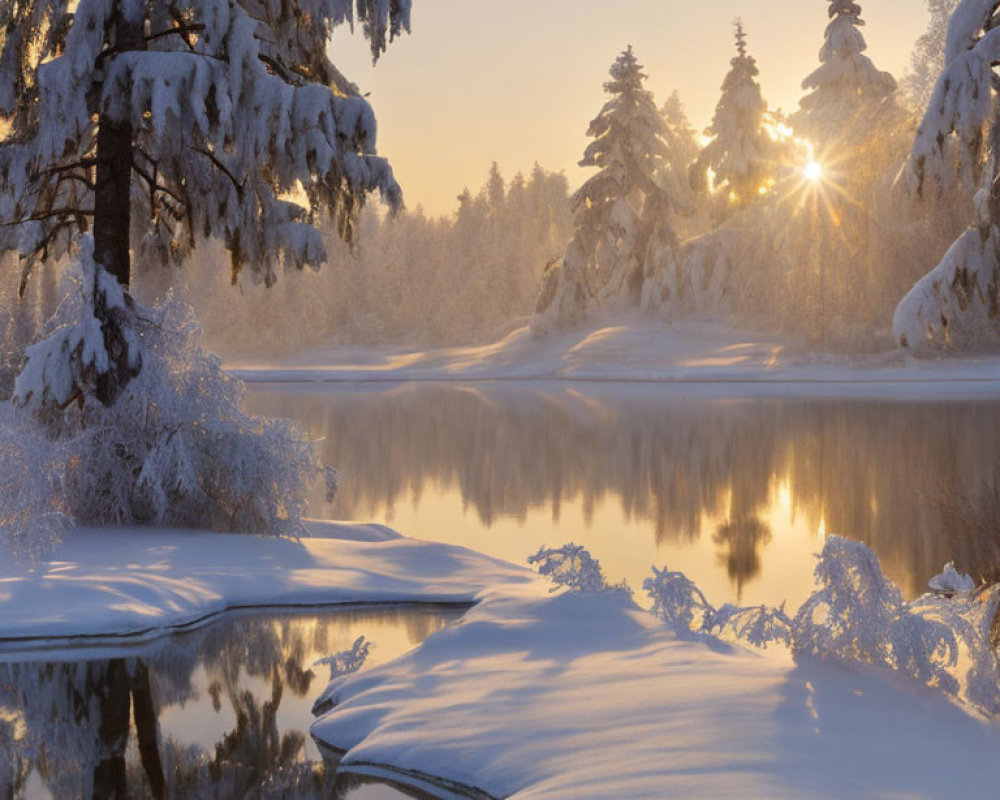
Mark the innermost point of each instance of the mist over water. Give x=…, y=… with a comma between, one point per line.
x=738, y=492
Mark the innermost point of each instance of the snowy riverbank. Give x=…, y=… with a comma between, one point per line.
x=583, y=695
x=702, y=353
x=126, y=585
x=530, y=695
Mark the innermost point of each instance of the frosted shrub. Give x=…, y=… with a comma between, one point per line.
x=570, y=566
x=678, y=601
x=755, y=625
x=175, y=449
x=343, y=663
x=347, y=661
x=847, y=617
x=943, y=638
x=953, y=644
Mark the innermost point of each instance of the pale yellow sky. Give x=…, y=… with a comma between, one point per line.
x=518, y=81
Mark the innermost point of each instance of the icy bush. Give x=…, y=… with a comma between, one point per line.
x=343, y=663
x=682, y=606
x=175, y=449
x=847, y=617
x=573, y=567
x=347, y=661
x=942, y=639
x=755, y=625
x=678, y=601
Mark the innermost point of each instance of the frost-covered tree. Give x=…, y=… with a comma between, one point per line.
x=621, y=211
x=846, y=88
x=159, y=124
x=959, y=300
x=683, y=138
x=741, y=153
x=927, y=59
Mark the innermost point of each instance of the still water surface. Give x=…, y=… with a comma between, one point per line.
x=738, y=492
x=219, y=712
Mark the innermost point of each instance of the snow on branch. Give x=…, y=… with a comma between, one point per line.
x=571, y=566
x=242, y=127
x=961, y=104
x=343, y=663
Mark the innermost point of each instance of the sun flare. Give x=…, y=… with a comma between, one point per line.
x=813, y=171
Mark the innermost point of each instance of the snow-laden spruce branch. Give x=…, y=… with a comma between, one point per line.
x=958, y=136
x=242, y=127
x=855, y=616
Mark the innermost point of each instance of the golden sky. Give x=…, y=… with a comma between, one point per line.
x=518, y=81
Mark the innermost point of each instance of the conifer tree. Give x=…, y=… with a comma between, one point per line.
x=741, y=154
x=621, y=211
x=683, y=138
x=154, y=125
x=846, y=89
x=927, y=59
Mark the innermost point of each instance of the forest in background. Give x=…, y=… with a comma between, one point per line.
x=826, y=264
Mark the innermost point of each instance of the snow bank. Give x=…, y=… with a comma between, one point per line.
x=138, y=582
x=701, y=353
x=582, y=695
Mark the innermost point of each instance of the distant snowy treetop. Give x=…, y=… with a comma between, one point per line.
x=847, y=84
x=741, y=152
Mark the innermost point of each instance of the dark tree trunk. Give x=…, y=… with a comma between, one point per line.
x=112, y=213
x=112, y=690
x=146, y=732
x=112, y=198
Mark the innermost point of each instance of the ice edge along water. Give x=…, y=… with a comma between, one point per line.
x=135, y=583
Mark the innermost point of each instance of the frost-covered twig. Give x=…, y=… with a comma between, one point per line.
x=571, y=566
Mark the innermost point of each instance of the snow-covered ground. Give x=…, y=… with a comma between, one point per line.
x=582, y=696
x=101, y=586
x=685, y=352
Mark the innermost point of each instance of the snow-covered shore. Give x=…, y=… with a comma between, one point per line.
x=581, y=696
x=686, y=353
x=130, y=584
x=530, y=695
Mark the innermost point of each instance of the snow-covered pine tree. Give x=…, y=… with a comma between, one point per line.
x=621, y=211
x=157, y=124
x=683, y=138
x=846, y=90
x=741, y=153
x=959, y=300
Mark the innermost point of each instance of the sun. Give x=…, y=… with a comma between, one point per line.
x=813, y=171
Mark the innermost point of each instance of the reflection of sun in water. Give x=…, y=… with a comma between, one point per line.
x=813, y=171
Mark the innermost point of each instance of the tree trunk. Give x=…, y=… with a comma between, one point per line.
x=146, y=731
x=112, y=198
x=112, y=690
x=112, y=213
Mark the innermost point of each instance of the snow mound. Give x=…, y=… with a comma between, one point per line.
x=583, y=695
x=105, y=584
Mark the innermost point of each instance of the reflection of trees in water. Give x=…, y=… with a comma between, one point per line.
x=741, y=539
x=90, y=729
x=864, y=468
